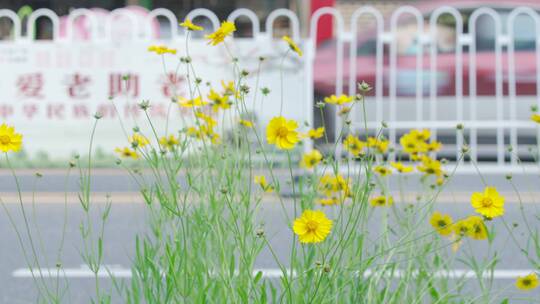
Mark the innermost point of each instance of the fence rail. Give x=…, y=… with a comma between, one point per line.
x=465, y=108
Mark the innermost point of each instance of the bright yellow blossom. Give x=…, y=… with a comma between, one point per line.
x=329, y=201
x=489, y=203
x=380, y=145
x=410, y=144
x=316, y=133
x=401, y=168
x=312, y=227
x=137, y=140
x=382, y=170
x=190, y=103
x=161, y=49
x=311, y=159
x=218, y=101
x=527, y=282
x=169, y=142
x=334, y=184
x=420, y=135
x=430, y=166
x=434, y=146
x=246, y=123
x=9, y=140
x=442, y=223
x=535, y=117
x=209, y=120
x=282, y=133
x=127, y=152
x=338, y=100
x=221, y=33
x=478, y=230
x=462, y=227
x=294, y=47
x=353, y=145
x=190, y=26
x=229, y=89
x=381, y=201
x=261, y=181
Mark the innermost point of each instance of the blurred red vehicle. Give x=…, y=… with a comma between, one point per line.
x=525, y=57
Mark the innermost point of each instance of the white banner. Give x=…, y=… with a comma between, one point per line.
x=50, y=90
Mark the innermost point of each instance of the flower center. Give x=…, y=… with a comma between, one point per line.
x=487, y=202
x=5, y=140
x=282, y=132
x=312, y=226
x=526, y=282
x=441, y=223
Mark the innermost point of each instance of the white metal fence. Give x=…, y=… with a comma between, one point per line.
x=510, y=111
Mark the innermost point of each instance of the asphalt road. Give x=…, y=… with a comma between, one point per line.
x=128, y=218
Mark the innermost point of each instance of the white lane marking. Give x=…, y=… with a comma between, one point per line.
x=119, y=272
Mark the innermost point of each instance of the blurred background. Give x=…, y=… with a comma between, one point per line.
x=421, y=67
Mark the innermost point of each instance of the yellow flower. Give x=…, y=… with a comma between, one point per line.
x=211, y=122
x=218, y=101
x=381, y=200
x=194, y=132
x=246, y=123
x=383, y=171
x=261, y=181
x=353, y=145
x=478, y=230
x=434, y=146
x=161, y=49
x=490, y=203
x=282, y=133
x=401, y=168
x=229, y=89
x=338, y=100
x=138, y=140
x=462, y=227
x=169, y=142
x=412, y=145
x=190, y=26
x=312, y=227
x=535, y=117
x=316, y=133
x=328, y=201
x=9, y=140
x=527, y=282
x=329, y=184
x=430, y=166
x=294, y=47
x=127, y=152
x=442, y=223
x=380, y=146
x=420, y=135
x=311, y=159
x=190, y=103
x=223, y=31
